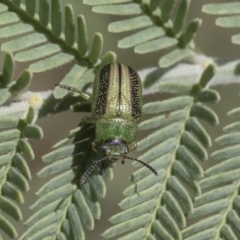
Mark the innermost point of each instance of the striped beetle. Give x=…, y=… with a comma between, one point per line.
x=116, y=107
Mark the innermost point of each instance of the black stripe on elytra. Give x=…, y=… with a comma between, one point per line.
x=101, y=102
x=119, y=86
x=135, y=98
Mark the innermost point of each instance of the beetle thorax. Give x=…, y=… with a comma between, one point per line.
x=114, y=148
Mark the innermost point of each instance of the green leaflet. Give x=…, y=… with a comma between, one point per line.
x=49, y=27
x=167, y=9
x=15, y=30
x=180, y=16
x=82, y=38
x=33, y=131
x=155, y=45
x=160, y=231
x=8, y=17
x=22, y=82
x=193, y=26
x=174, y=56
x=38, y=52
x=157, y=20
x=44, y=211
x=7, y=227
x=140, y=37
x=139, y=234
x=101, y=2
x=169, y=222
x=226, y=21
x=24, y=42
x=174, y=151
x=124, y=9
x=51, y=219
x=3, y=7
x=96, y=48
x=78, y=205
x=56, y=17
x=130, y=24
x=10, y=208
x=159, y=136
x=222, y=8
x=127, y=226
x=44, y=12
x=30, y=7
x=83, y=210
x=8, y=69
x=12, y=192
x=14, y=172
x=233, y=21
x=75, y=222
x=201, y=226
x=26, y=148
x=216, y=204
x=69, y=26
x=236, y=39
x=51, y=62
x=167, y=105
x=18, y=179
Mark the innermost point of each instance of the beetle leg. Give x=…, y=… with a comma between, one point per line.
x=72, y=89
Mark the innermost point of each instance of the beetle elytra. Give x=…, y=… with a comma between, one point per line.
x=116, y=110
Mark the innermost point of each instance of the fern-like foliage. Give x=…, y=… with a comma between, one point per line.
x=232, y=21
x=16, y=127
x=65, y=207
x=47, y=43
x=218, y=207
x=162, y=28
x=155, y=207
x=9, y=88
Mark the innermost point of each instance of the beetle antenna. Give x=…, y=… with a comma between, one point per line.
x=90, y=169
x=143, y=163
x=72, y=89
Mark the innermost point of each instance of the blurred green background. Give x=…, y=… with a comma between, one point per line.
x=212, y=40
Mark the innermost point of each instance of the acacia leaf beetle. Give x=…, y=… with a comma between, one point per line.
x=116, y=110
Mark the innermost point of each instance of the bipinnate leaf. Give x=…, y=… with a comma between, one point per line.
x=8, y=87
x=14, y=171
x=47, y=43
x=173, y=151
x=229, y=20
x=71, y=206
x=162, y=29
x=216, y=209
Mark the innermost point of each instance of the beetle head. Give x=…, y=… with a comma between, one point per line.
x=114, y=148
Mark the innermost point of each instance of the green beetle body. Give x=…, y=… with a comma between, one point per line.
x=117, y=104
x=116, y=107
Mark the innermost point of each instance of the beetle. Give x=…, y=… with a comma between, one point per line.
x=116, y=110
